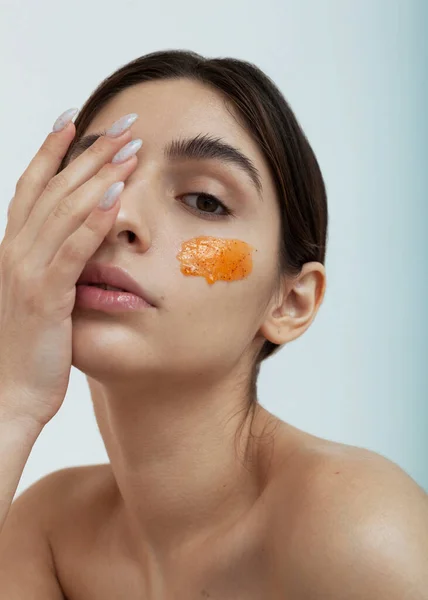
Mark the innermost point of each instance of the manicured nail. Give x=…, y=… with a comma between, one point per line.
x=127, y=151
x=111, y=195
x=122, y=125
x=64, y=119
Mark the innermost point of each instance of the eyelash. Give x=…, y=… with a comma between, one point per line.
x=208, y=215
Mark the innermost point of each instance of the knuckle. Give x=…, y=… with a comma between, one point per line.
x=72, y=253
x=63, y=208
x=92, y=225
x=57, y=183
x=98, y=148
x=10, y=254
x=20, y=276
x=25, y=181
x=50, y=149
x=26, y=279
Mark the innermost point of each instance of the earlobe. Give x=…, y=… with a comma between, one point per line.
x=281, y=327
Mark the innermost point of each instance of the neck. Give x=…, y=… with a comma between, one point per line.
x=184, y=462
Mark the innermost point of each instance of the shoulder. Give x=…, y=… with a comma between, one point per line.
x=62, y=481
x=55, y=495
x=350, y=523
x=28, y=559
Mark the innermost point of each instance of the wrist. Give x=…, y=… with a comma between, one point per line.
x=18, y=425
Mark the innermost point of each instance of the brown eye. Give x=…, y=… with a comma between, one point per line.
x=207, y=204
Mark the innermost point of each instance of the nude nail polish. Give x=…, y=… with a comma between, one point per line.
x=121, y=125
x=64, y=119
x=111, y=195
x=127, y=151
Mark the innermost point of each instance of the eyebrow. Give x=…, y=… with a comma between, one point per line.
x=201, y=147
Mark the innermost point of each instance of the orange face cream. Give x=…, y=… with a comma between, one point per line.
x=216, y=259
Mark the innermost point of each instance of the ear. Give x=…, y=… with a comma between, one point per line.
x=295, y=304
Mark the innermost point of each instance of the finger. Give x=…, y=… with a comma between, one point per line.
x=70, y=260
x=72, y=212
x=40, y=170
x=65, y=183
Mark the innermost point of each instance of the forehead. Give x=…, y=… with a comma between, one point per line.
x=175, y=108
x=171, y=105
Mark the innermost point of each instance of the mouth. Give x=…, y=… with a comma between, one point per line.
x=108, y=298
x=104, y=286
x=113, y=278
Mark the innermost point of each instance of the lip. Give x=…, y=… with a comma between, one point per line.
x=115, y=276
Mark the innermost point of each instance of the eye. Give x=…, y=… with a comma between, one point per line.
x=207, y=204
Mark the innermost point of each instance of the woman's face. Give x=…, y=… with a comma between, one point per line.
x=200, y=328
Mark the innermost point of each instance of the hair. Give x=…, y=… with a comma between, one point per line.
x=269, y=120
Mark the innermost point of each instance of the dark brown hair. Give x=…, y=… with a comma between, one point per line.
x=272, y=124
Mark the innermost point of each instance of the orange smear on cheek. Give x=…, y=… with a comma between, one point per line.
x=216, y=259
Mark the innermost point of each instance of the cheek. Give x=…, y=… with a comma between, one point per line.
x=216, y=259
x=211, y=314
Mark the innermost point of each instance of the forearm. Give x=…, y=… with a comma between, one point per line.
x=16, y=443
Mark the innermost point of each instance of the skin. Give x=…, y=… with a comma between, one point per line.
x=162, y=395
x=179, y=512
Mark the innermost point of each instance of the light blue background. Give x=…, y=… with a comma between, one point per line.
x=355, y=73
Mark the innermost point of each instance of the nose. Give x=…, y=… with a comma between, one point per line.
x=130, y=227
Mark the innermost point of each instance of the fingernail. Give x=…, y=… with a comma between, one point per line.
x=127, y=151
x=64, y=119
x=121, y=125
x=111, y=195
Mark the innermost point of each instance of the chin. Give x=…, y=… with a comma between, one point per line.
x=103, y=350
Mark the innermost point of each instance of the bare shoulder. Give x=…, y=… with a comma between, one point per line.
x=58, y=485
x=27, y=561
x=49, y=487
x=59, y=494
x=350, y=523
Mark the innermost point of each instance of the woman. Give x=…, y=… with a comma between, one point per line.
x=222, y=227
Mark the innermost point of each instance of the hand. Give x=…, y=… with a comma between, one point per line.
x=54, y=227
